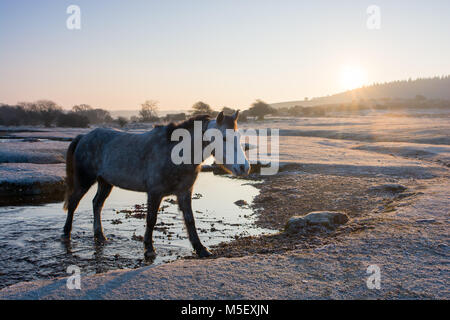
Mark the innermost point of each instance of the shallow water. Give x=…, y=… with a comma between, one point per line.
x=30, y=246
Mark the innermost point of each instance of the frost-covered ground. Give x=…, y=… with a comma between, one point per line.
x=371, y=128
x=406, y=236
x=32, y=162
x=38, y=152
x=31, y=170
x=412, y=256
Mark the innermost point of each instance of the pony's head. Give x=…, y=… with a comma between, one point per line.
x=227, y=125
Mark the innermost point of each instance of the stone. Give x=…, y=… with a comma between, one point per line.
x=389, y=187
x=328, y=219
x=295, y=224
x=241, y=203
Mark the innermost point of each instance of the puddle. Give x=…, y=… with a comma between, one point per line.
x=30, y=248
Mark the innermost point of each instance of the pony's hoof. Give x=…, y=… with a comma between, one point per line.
x=150, y=254
x=100, y=238
x=204, y=253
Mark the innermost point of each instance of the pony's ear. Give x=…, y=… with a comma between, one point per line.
x=219, y=118
x=236, y=115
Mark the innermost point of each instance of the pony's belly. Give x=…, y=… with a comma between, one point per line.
x=132, y=188
x=132, y=183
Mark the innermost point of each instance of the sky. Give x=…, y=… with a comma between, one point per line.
x=225, y=53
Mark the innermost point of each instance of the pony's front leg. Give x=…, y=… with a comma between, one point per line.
x=185, y=203
x=153, y=202
x=103, y=191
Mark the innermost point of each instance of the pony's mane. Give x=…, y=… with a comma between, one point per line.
x=186, y=124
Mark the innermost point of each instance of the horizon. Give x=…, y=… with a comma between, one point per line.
x=226, y=54
x=162, y=111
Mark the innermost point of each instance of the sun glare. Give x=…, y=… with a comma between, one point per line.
x=352, y=77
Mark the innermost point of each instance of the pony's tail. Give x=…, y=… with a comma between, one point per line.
x=70, y=169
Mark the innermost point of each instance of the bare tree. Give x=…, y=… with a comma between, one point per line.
x=149, y=111
x=49, y=111
x=81, y=108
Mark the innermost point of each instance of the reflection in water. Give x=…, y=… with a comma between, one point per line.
x=30, y=245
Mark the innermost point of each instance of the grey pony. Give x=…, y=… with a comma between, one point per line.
x=139, y=162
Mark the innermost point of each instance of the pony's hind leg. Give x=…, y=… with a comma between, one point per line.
x=103, y=191
x=185, y=203
x=153, y=203
x=74, y=199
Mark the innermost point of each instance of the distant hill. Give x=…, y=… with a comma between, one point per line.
x=431, y=88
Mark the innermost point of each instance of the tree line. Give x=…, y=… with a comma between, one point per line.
x=47, y=113
x=258, y=109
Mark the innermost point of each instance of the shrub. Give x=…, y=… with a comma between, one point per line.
x=94, y=115
x=122, y=121
x=174, y=117
x=260, y=109
x=202, y=108
x=72, y=119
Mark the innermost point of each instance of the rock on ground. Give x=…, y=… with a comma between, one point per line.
x=389, y=187
x=328, y=219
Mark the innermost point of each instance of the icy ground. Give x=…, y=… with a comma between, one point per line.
x=409, y=242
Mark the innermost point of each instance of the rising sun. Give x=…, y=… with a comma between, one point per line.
x=352, y=77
